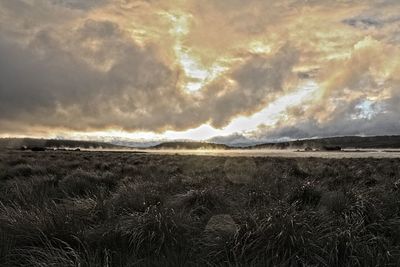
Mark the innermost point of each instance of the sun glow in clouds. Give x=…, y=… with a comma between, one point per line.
x=271, y=114
x=133, y=69
x=267, y=116
x=196, y=75
x=259, y=47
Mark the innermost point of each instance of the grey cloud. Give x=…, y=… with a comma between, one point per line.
x=90, y=74
x=259, y=80
x=79, y=4
x=347, y=119
x=310, y=74
x=21, y=20
x=367, y=22
x=363, y=22
x=374, y=20
x=382, y=124
x=259, y=73
x=96, y=77
x=37, y=83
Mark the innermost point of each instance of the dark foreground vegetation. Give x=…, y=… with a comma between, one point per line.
x=122, y=209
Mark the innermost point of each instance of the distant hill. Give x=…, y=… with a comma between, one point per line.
x=189, y=145
x=332, y=142
x=15, y=143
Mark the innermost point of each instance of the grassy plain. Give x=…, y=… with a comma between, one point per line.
x=126, y=209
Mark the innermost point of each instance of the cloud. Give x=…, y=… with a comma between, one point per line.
x=361, y=100
x=79, y=4
x=71, y=65
x=364, y=22
x=58, y=83
x=96, y=77
x=380, y=125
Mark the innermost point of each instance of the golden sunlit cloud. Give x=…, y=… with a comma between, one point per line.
x=155, y=70
x=196, y=75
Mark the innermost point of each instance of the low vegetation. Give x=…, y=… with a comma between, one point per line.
x=125, y=209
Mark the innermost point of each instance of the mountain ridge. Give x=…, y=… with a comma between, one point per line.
x=360, y=142
x=343, y=142
x=15, y=143
x=327, y=143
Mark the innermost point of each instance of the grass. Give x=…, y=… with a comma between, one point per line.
x=120, y=209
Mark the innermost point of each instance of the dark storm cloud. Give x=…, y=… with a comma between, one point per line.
x=51, y=82
x=96, y=77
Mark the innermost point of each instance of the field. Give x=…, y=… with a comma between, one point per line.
x=126, y=209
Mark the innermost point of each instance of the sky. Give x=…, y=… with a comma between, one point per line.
x=227, y=71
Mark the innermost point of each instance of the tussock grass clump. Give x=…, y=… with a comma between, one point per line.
x=200, y=202
x=79, y=183
x=136, y=197
x=17, y=161
x=27, y=225
x=305, y=194
x=24, y=170
x=156, y=231
x=56, y=253
x=83, y=183
x=257, y=198
x=334, y=201
x=277, y=237
x=28, y=191
x=157, y=235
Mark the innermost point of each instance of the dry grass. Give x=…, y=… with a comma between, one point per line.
x=121, y=209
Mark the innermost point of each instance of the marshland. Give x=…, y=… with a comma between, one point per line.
x=99, y=208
